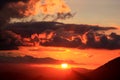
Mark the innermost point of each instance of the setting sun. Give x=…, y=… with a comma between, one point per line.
x=64, y=65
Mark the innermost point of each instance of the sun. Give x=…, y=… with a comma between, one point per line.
x=64, y=65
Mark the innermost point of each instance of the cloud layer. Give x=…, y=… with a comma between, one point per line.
x=59, y=34
x=44, y=9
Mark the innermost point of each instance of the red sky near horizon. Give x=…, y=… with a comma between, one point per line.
x=87, y=58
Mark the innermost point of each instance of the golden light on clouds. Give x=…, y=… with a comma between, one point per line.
x=54, y=6
x=35, y=7
x=39, y=10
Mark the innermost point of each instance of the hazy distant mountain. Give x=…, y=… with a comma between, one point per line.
x=32, y=60
x=109, y=71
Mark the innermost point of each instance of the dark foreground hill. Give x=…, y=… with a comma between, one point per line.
x=109, y=71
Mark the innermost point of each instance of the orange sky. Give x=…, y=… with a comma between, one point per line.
x=88, y=58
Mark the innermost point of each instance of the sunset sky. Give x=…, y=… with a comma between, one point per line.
x=59, y=39
x=91, y=38
x=99, y=12
x=86, y=58
x=95, y=12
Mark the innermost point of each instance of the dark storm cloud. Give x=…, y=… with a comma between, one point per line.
x=4, y=2
x=6, y=12
x=9, y=40
x=64, y=35
x=103, y=41
x=39, y=27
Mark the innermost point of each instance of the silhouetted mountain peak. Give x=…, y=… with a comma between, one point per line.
x=115, y=63
x=109, y=71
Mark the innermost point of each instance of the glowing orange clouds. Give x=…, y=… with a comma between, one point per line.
x=54, y=6
x=35, y=7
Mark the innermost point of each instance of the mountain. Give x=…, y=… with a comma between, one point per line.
x=32, y=60
x=109, y=71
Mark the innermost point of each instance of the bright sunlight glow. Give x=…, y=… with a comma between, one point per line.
x=64, y=65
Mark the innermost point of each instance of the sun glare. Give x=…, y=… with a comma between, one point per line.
x=64, y=65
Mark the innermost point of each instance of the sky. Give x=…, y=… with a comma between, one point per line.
x=39, y=38
x=99, y=12
x=87, y=44
x=95, y=12
x=86, y=58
